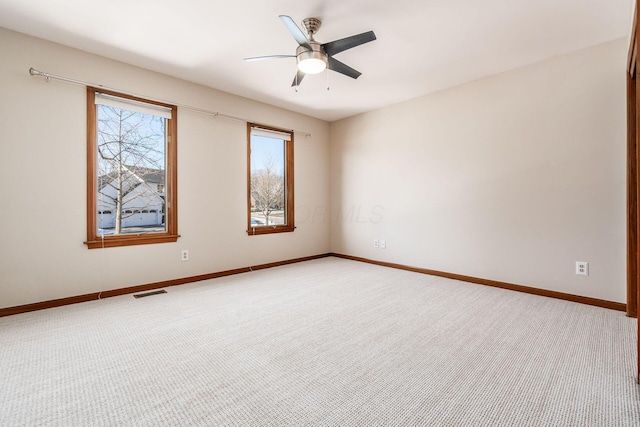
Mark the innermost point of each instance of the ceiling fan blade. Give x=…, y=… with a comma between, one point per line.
x=298, y=78
x=343, y=68
x=341, y=45
x=295, y=31
x=260, y=58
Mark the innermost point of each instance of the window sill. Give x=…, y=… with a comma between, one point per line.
x=130, y=240
x=255, y=231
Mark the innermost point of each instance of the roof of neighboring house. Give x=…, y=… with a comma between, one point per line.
x=147, y=175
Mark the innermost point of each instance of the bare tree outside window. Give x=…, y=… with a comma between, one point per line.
x=267, y=189
x=131, y=171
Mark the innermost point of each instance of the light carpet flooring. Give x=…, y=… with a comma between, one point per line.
x=328, y=342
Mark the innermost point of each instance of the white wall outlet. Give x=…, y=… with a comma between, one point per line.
x=582, y=268
x=185, y=255
x=375, y=243
x=383, y=244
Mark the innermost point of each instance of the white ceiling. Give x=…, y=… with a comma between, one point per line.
x=423, y=46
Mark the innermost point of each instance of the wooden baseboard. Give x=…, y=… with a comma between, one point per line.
x=520, y=288
x=150, y=286
x=147, y=287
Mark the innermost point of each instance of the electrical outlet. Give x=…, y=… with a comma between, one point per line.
x=383, y=244
x=582, y=268
x=375, y=243
x=185, y=255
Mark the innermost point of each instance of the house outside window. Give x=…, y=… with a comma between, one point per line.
x=269, y=180
x=131, y=147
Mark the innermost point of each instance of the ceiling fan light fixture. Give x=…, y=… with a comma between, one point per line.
x=312, y=61
x=312, y=65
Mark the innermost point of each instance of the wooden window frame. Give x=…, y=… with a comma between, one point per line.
x=95, y=241
x=289, y=187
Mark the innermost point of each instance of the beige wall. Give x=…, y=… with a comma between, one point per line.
x=512, y=178
x=43, y=179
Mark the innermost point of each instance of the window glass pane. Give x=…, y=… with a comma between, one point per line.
x=267, y=181
x=131, y=166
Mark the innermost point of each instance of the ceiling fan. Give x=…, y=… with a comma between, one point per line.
x=313, y=57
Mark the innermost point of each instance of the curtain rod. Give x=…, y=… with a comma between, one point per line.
x=48, y=76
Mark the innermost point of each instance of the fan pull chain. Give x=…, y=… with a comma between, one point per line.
x=326, y=71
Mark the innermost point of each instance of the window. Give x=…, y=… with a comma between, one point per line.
x=131, y=152
x=269, y=180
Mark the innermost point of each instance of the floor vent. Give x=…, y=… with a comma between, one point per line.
x=148, y=294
